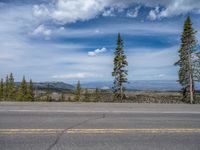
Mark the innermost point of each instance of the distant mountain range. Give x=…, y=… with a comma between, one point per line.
x=141, y=85
x=54, y=86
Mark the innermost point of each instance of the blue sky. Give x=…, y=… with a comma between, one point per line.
x=70, y=40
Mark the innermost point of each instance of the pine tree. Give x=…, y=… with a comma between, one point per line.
x=197, y=67
x=86, y=96
x=6, y=89
x=119, y=71
x=11, y=88
x=185, y=63
x=97, y=95
x=31, y=94
x=22, y=94
x=48, y=97
x=1, y=90
x=78, y=92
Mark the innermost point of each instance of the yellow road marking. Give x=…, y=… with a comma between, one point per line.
x=100, y=131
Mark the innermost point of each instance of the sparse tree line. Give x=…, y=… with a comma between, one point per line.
x=78, y=95
x=9, y=91
x=84, y=95
x=25, y=91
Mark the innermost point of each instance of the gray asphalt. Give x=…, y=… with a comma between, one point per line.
x=68, y=116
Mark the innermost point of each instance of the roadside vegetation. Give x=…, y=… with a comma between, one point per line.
x=188, y=74
x=10, y=91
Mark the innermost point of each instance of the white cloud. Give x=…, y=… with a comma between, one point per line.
x=81, y=75
x=147, y=64
x=159, y=76
x=152, y=58
x=105, y=88
x=174, y=8
x=44, y=60
x=180, y=7
x=141, y=29
x=97, y=31
x=97, y=51
x=109, y=12
x=153, y=14
x=70, y=11
x=42, y=30
x=134, y=13
x=40, y=11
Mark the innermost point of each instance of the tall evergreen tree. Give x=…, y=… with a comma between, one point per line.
x=1, y=90
x=78, y=92
x=197, y=68
x=120, y=70
x=11, y=87
x=22, y=94
x=186, y=51
x=6, y=88
x=31, y=94
x=48, y=97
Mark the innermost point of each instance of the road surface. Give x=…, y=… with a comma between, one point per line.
x=100, y=126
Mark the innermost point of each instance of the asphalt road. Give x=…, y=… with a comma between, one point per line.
x=87, y=126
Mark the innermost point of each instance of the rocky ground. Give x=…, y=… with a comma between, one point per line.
x=131, y=97
x=154, y=97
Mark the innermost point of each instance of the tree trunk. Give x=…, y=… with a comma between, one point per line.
x=191, y=89
x=191, y=79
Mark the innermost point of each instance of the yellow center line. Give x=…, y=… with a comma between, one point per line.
x=100, y=131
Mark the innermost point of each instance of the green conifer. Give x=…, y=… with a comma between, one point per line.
x=31, y=94
x=11, y=88
x=185, y=63
x=22, y=94
x=48, y=96
x=119, y=71
x=78, y=92
x=1, y=90
x=6, y=88
x=197, y=67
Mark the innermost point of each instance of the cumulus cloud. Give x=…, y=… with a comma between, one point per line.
x=97, y=51
x=109, y=12
x=153, y=14
x=40, y=11
x=70, y=11
x=176, y=7
x=134, y=13
x=42, y=30
x=81, y=75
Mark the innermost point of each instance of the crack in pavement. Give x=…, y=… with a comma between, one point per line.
x=73, y=126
